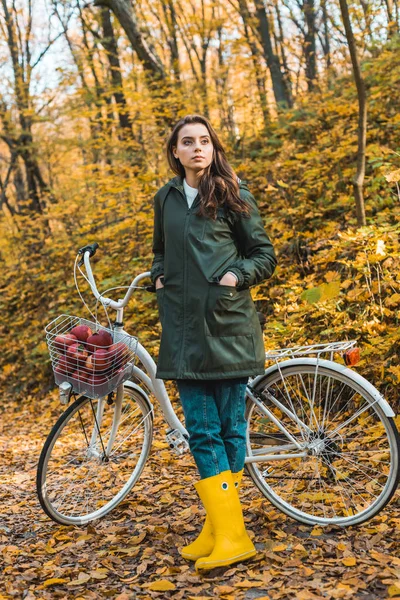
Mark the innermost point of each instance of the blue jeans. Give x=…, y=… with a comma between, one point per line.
x=214, y=417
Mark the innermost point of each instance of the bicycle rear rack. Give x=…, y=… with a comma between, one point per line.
x=295, y=351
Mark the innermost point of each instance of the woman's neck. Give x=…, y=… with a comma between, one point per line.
x=192, y=178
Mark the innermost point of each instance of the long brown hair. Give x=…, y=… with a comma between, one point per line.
x=218, y=185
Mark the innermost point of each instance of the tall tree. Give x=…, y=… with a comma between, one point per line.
x=157, y=78
x=272, y=60
x=358, y=181
x=392, y=10
x=309, y=43
x=255, y=55
x=18, y=135
x=109, y=43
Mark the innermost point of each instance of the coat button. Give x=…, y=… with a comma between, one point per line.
x=230, y=293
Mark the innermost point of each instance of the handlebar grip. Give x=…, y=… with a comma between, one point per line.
x=91, y=248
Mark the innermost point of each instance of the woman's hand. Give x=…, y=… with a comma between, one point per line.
x=159, y=284
x=228, y=279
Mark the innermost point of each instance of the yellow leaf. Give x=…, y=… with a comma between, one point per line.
x=54, y=581
x=224, y=589
x=163, y=585
x=279, y=548
x=341, y=546
x=394, y=590
x=349, y=561
x=282, y=183
x=316, y=531
x=249, y=584
x=299, y=547
x=393, y=176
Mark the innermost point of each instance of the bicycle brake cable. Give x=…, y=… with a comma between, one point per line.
x=100, y=294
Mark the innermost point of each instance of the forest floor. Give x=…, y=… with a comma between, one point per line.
x=133, y=552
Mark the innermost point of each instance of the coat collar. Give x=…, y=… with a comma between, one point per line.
x=177, y=182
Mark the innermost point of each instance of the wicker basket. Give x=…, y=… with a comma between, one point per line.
x=93, y=366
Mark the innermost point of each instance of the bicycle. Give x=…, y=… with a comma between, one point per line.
x=322, y=444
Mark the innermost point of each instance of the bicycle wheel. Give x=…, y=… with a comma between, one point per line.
x=347, y=464
x=82, y=472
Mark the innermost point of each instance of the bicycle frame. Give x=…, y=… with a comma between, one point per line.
x=157, y=386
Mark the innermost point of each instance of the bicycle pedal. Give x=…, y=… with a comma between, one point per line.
x=177, y=441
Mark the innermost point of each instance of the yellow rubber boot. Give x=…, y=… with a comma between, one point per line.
x=221, y=501
x=204, y=543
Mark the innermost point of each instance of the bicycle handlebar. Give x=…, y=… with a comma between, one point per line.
x=90, y=250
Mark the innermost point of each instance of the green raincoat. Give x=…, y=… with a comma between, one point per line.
x=209, y=330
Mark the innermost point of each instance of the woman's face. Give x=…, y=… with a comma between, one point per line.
x=194, y=148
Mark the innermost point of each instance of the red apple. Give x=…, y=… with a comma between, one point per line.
x=119, y=353
x=81, y=332
x=63, y=341
x=99, y=360
x=77, y=354
x=62, y=367
x=100, y=339
x=107, y=336
x=96, y=379
x=80, y=376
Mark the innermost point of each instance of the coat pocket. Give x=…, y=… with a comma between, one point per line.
x=229, y=311
x=160, y=302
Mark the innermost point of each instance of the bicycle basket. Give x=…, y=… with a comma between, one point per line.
x=94, y=365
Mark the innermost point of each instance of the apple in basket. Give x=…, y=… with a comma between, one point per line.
x=119, y=354
x=81, y=332
x=63, y=367
x=99, y=360
x=80, y=376
x=63, y=341
x=77, y=355
x=99, y=339
x=96, y=379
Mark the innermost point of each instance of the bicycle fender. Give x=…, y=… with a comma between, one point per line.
x=334, y=366
x=135, y=386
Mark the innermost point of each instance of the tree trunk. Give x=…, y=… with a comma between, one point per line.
x=126, y=16
x=309, y=44
x=172, y=25
x=358, y=181
x=271, y=59
x=286, y=72
x=23, y=140
x=255, y=55
x=156, y=77
x=393, y=26
x=326, y=43
x=110, y=45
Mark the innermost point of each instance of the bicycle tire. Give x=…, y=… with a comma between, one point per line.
x=254, y=438
x=45, y=487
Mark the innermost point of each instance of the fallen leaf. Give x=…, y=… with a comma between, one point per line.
x=163, y=585
x=349, y=561
x=394, y=590
x=54, y=581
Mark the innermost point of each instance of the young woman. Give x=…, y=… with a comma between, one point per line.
x=209, y=247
